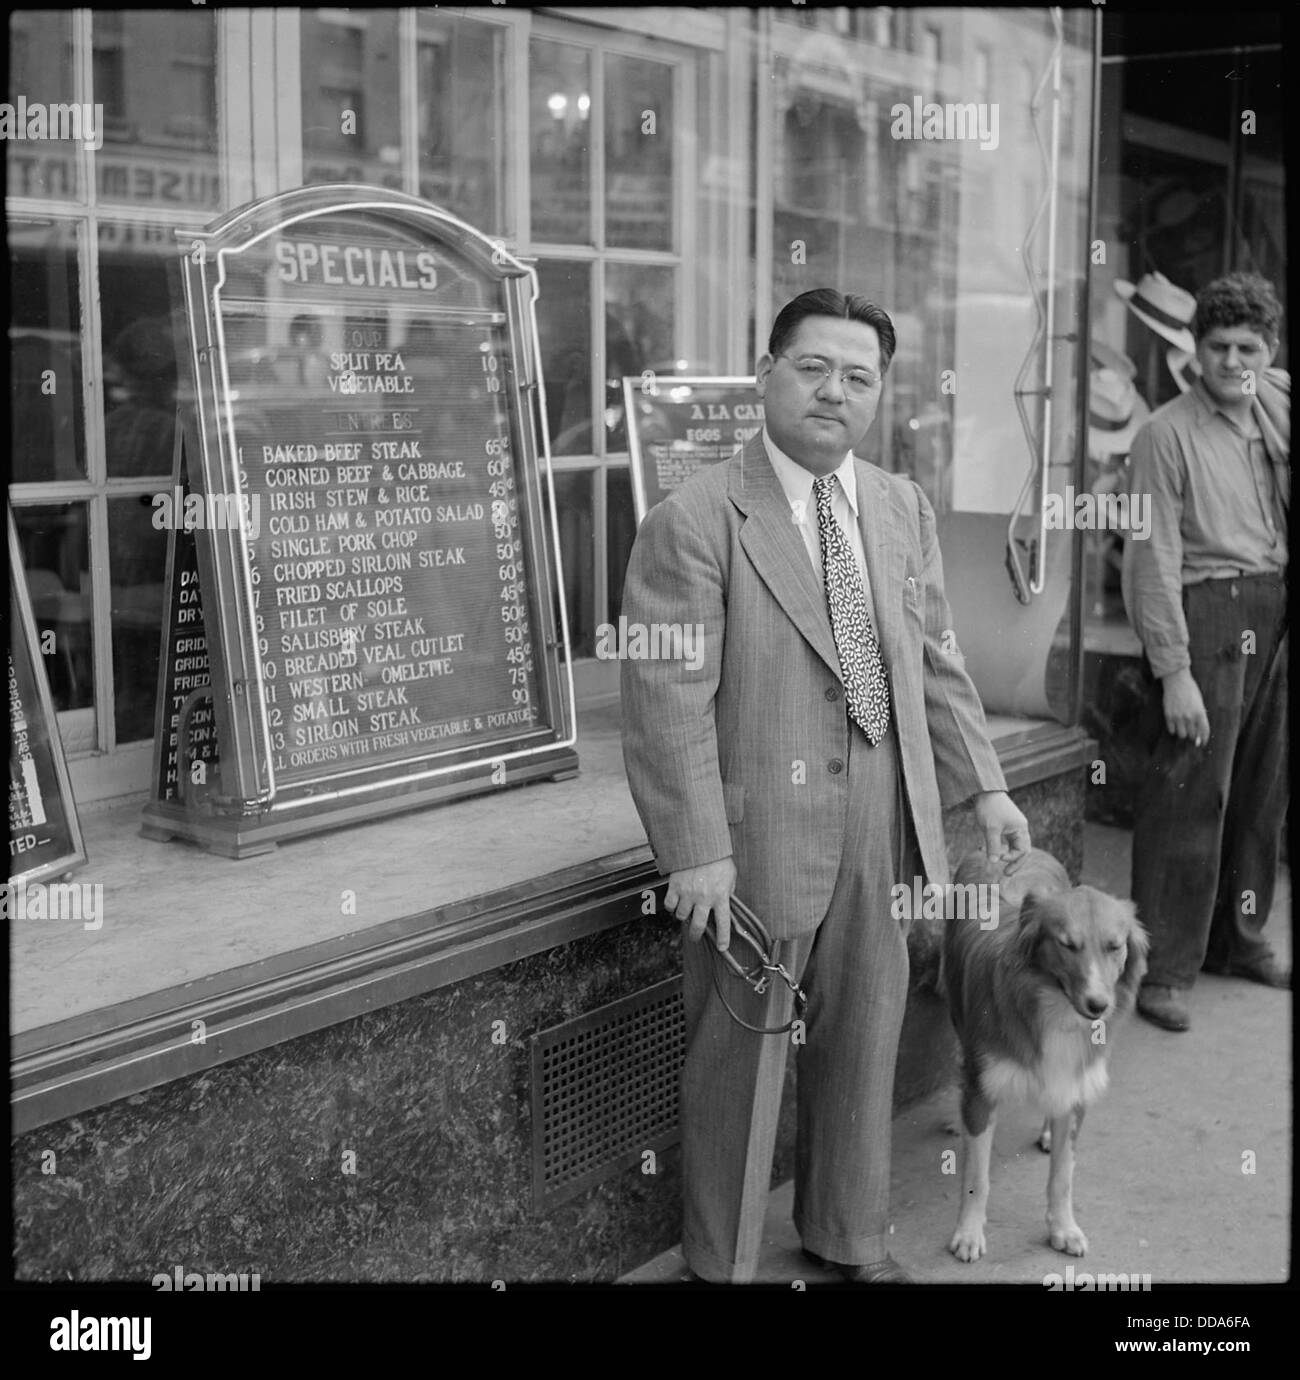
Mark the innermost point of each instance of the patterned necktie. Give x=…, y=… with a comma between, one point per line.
x=866, y=688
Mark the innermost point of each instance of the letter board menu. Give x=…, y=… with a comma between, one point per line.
x=372, y=514
x=183, y=671
x=44, y=832
x=678, y=424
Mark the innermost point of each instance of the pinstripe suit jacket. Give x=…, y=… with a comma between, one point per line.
x=713, y=754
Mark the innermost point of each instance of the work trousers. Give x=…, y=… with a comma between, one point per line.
x=854, y=968
x=1209, y=819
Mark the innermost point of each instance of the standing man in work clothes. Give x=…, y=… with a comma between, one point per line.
x=805, y=765
x=1207, y=596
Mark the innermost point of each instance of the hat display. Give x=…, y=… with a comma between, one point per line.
x=1165, y=307
x=1105, y=356
x=1184, y=367
x=1115, y=411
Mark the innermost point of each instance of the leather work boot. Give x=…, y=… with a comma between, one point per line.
x=1264, y=968
x=1163, y=1006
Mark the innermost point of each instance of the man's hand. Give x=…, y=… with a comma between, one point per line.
x=997, y=815
x=695, y=891
x=1185, y=715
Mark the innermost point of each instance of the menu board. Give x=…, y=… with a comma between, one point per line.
x=677, y=425
x=388, y=575
x=183, y=664
x=44, y=832
x=375, y=531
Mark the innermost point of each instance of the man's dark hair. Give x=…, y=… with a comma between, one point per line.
x=827, y=302
x=1239, y=299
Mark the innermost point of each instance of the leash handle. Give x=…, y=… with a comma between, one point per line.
x=746, y=926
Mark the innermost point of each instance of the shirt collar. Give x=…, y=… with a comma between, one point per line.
x=798, y=482
x=1208, y=408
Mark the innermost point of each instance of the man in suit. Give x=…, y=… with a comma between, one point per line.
x=804, y=765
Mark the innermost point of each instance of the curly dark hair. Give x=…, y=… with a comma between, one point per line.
x=828, y=302
x=1238, y=299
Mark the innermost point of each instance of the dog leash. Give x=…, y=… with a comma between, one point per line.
x=746, y=926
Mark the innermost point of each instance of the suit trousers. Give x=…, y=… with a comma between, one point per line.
x=854, y=969
x=1209, y=820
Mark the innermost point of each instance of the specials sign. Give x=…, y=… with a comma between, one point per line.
x=678, y=424
x=377, y=563
x=44, y=832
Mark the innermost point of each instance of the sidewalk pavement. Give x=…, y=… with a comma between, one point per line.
x=1183, y=1170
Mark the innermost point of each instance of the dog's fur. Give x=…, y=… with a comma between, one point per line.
x=1034, y=1001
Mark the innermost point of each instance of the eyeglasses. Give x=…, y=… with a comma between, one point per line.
x=814, y=371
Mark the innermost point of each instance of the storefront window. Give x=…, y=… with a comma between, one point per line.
x=139, y=349
x=575, y=509
x=40, y=69
x=56, y=560
x=45, y=390
x=351, y=89
x=935, y=229
x=640, y=332
x=462, y=123
x=564, y=330
x=639, y=183
x=559, y=110
x=620, y=532
x=1184, y=193
x=137, y=559
x=94, y=414
x=155, y=73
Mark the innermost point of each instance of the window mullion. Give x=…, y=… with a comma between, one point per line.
x=408, y=98
x=686, y=336
x=519, y=119
x=92, y=401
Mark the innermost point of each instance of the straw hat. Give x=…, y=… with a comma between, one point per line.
x=1115, y=411
x=1166, y=308
x=1105, y=356
x=1185, y=368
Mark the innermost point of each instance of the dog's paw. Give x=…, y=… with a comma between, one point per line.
x=968, y=1242
x=1068, y=1237
x=1044, y=1141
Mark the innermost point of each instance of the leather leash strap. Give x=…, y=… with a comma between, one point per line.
x=748, y=928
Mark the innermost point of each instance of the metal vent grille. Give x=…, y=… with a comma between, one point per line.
x=605, y=1090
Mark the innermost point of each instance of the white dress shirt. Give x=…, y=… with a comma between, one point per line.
x=798, y=485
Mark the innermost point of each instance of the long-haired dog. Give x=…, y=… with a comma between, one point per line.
x=1034, y=998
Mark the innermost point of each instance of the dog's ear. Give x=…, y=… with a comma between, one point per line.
x=1139, y=945
x=1029, y=928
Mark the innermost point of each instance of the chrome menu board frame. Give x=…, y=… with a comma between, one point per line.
x=259, y=798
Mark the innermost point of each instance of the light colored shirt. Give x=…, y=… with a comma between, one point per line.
x=1215, y=514
x=798, y=485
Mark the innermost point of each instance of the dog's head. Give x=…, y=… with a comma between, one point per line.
x=1092, y=945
